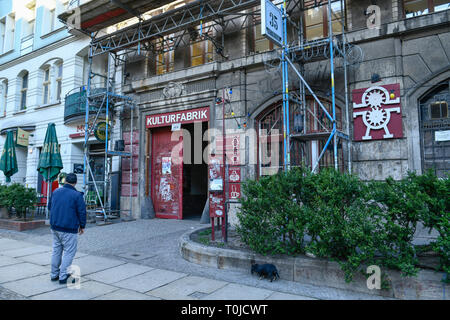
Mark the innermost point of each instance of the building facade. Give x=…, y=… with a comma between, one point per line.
x=398, y=82
x=43, y=72
x=191, y=83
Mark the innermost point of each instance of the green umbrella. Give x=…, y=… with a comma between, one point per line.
x=8, y=161
x=50, y=162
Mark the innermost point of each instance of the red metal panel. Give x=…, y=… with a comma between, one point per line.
x=167, y=174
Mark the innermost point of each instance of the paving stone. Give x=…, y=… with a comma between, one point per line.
x=124, y=294
x=33, y=286
x=44, y=258
x=6, y=294
x=238, y=292
x=88, y=290
x=31, y=249
x=8, y=244
x=6, y=261
x=150, y=280
x=287, y=296
x=183, y=288
x=21, y=271
x=118, y=273
x=91, y=264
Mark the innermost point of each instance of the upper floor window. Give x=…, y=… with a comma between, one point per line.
x=164, y=62
x=316, y=21
x=46, y=86
x=201, y=53
x=7, y=27
x=59, y=68
x=23, y=92
x=415, y=8
x=30, y=16
x=261, y=42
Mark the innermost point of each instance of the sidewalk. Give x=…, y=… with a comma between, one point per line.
x=25, y=273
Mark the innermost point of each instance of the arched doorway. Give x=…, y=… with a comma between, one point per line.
x=435, y=129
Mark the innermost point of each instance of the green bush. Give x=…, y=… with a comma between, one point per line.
x=345, y=219
x=18, y=197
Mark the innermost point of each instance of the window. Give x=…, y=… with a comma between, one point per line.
x=201, y=53
x=261, y=42
x=164, y=62
x=2, y=34
x=316, y=21
x=46, y=86
x=439, y=110
x=414, y=8
x=52, y=18
x=23, y=92
x=31, y=17
x=7, y=27
x=59, y=68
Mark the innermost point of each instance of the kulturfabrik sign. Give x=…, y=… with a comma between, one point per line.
x=185, y=116
x=377, y=113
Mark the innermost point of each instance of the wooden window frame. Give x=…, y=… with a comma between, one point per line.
x=430, y=4
x=325, y=26
x=271, y=46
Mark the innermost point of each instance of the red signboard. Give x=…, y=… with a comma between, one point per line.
x=234, y=191
x=216, y=205
x=234, y=174
x=185, y=116
x=377, y=113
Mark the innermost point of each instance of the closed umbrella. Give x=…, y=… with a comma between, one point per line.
x=8, y=161
x=50, y=163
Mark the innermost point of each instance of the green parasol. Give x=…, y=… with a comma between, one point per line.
x=50, y=163
x=8, y=161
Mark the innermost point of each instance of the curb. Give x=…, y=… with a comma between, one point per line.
x=316, y=271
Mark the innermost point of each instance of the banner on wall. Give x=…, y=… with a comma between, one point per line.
x=377, y=113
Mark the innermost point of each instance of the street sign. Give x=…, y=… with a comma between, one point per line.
x=271, y=22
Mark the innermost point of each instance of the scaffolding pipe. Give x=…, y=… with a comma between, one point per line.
x=333, y=97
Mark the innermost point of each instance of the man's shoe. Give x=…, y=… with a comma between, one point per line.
x=55, y=279
x=64, y=281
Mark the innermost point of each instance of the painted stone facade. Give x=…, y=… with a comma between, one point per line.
x=413, y=55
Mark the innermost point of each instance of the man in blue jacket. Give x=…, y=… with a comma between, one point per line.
x=67, y=219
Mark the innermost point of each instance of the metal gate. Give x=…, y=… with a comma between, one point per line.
x=435, y=130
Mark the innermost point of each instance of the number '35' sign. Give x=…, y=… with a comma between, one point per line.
x=271, y=22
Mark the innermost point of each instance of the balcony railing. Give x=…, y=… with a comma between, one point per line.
x=75, y=104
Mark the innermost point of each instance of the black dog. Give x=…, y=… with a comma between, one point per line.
x=265, y=271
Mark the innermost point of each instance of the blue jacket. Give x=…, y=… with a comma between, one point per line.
x=68, y=210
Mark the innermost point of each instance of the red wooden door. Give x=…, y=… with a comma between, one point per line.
x=167, y=174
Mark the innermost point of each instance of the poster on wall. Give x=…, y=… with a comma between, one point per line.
x=377, y=113
x=166, y=165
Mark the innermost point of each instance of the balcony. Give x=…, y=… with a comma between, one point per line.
x=75, y=104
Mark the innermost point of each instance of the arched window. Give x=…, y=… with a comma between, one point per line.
x=51, y=75
x=309, y=134
x=435, y=129
x=23, y=91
